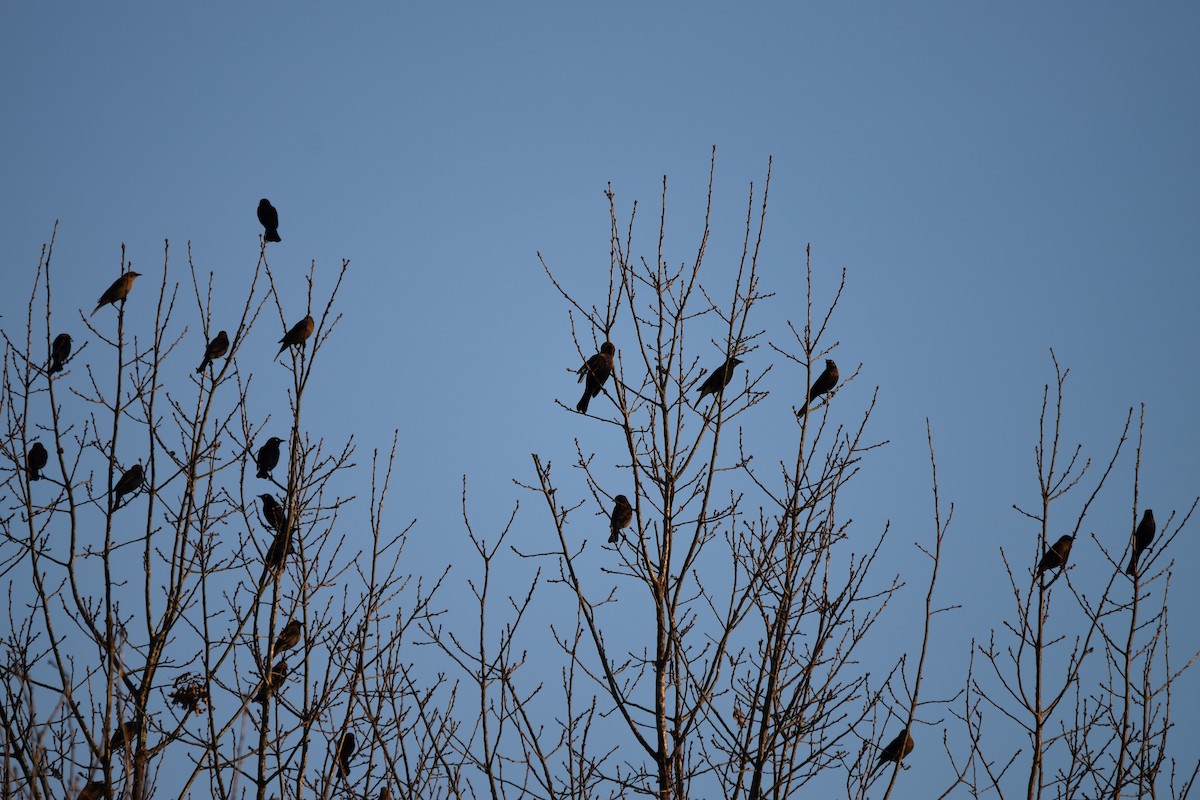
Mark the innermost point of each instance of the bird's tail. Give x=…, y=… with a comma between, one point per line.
x=1132, y=568
x=262, y=473
x=203, y=364
x=33, y=474
x=282, y=347
x=582, y=405
x=272, y=236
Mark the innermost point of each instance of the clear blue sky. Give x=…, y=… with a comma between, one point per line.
x=998, y=180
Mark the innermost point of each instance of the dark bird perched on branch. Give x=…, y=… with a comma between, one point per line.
x=273, y=513
x=719, y=379
x=897, y=749
x=125, y=733
x=289, y=637
x=1056, y=554
x=1142, y=537
x=216, y=348
x=118, y=291
x=35, y=461
x=274, y=680
x=595, y=371
x=60, y=351
x=129, y=482
x=268, y=457
x=822, y=385
x=277, y=554
x=297, y=335
x=622, y=515
x=345, y=752
x=269, y=218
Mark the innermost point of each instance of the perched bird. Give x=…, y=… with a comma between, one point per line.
x=268, y=456
x=596, y=371
x=59, y=352
x=125, y=733
x=274, y=680
x=297, y=335
x=129, y=482
x=719, y=379
x=94, y=790
x=118, y=291
x=345, y=752
x=35, y=461
x=277, y=553
x=216, y=348
x=385, y=793
x=1056, y=554
x=622, y=515
x=273, y=513
x=897, y=749
x=824, y=382
x=289, y=637
x=1142, y=537
x=269, y=218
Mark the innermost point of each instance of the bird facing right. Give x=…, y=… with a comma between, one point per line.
x=297, y=335
x=268, y=457
x=822, y=385
x=1142, y=537
x=218, y=347
x=1056, y=554
x=719, y=379
x=289, y=637
x=898, y=748
x=596, y=370
x=118, y=291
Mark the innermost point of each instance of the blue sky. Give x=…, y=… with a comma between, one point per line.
x=997, y=181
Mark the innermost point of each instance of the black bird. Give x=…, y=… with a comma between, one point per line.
x=1056, y=554
x=268, y=457
x=59, y=352
x=129, y=482
x=897, y=749
x=277, y=554
x=125, y=733
x=216, y=348
x=269, y=218
x=824, y=382
x=118, y=291
x=274, y=680
x=1142, y=537
x=719, y=379
x=596, y=371
x=345, y=752
x=35, y=461
x=297, y=335
x=273, y=513
x=622, y=515
x=289, y=637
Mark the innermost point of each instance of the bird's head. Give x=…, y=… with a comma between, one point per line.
x=608, y=349
x=274, y=440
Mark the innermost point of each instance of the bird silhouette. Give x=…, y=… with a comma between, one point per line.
x=345, y=752
x=298, y=334
x=118, y=291
x=268, y=457
x=622, y=515
x=719, y=379
x=218, y=347
x=274, y=681
x=60, y=351
x=897, y=749
x=822, y=385
x=1142, y=537
x=35, y=461
x=1056, y=554
x=125, y=733
x=596, y=371
x=269, y=218
x=273, y=513
x=129, y=482
x=289, y=637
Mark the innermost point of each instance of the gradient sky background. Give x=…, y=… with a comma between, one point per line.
x=996, y=180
